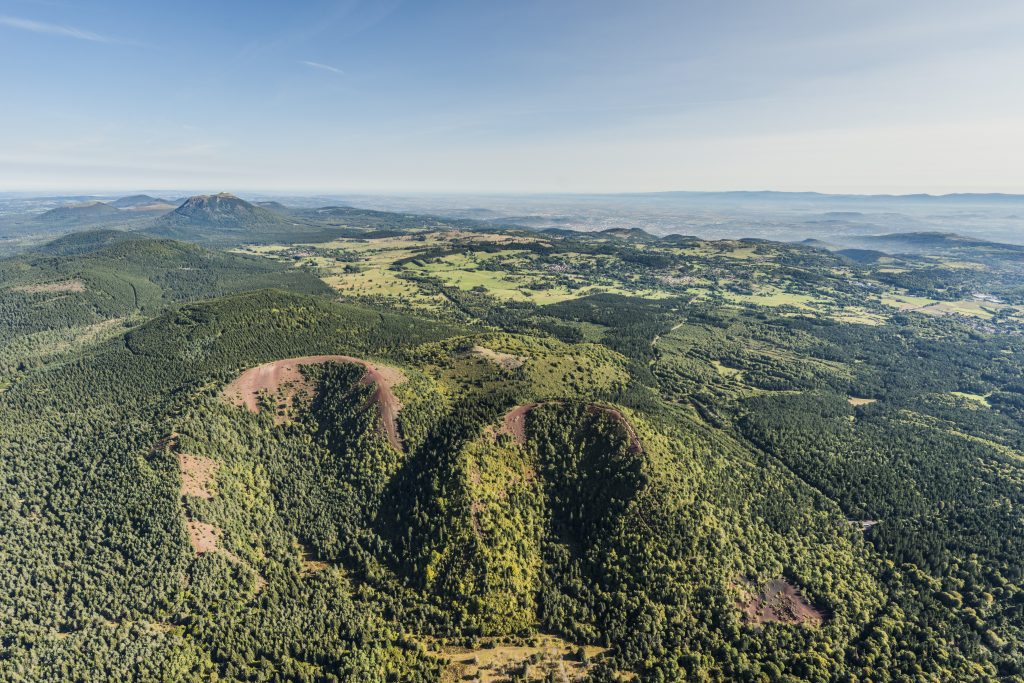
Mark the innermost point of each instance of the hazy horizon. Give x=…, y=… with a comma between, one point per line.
x=581, y=97
x=115, y=192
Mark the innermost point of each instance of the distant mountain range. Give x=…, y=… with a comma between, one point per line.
x=868, y=247
x=966, y=197
x=841, y=221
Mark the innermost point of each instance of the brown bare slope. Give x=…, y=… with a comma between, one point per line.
x=282, y=378
x=514, y=422
x=779, y=601
x=196, y=475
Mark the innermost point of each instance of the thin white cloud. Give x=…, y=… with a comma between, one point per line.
x=52, y=29
x=325, y=67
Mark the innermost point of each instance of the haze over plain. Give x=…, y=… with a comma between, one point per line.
x=526, y=97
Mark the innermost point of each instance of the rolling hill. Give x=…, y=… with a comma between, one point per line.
x=507, y=455
x=86, y=278
x=78, y=215
x=221, y=217
x=276, y=207
x=142, y=202
x=85, y=241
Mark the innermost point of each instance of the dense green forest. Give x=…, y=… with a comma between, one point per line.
x=615, y=457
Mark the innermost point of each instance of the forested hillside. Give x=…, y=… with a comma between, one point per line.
x=422, y=454
x=89, y=281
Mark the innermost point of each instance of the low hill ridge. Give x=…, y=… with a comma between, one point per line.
x=140, y=201
x=78, y=214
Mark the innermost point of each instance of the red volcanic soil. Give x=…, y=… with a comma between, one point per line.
x=283, y=379
x=780, y=602
x=196, y=475
x=514, y=422
x=205, y=538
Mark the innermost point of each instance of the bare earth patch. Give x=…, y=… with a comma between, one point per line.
x=514, y=422
x=205, y=538
x=196, y=475
x=855, y=401
x=864, y=525
x=506, y=361
x=495, y=661
x=313, y=566
x=779, y=602
x=283, y=382
x=75, y=285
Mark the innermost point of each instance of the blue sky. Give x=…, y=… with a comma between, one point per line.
x=535, y=96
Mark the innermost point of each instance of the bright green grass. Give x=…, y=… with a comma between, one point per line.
x=463, y=271
x=907, y=302
x=726, y=371
x=981, y=399
x=773, y=298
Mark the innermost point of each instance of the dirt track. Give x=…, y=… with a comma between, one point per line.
x=283, y=378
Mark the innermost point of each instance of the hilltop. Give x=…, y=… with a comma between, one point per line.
x=219, y=215
x=224, y=219
x=276, y=207
x=142, y=202
x=74, y=215
x=85, y=241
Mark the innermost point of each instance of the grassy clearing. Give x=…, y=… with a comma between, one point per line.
x=971, y=307
x=550, y=368
x=907, y=302
x=857, y=316
x=968, y=307
x=726, y=371
x=520, y=279
x=981, y=399
x=773, y=297
x=961, y=265
x=493, y=661
x=741, y=253
x=373, y=282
